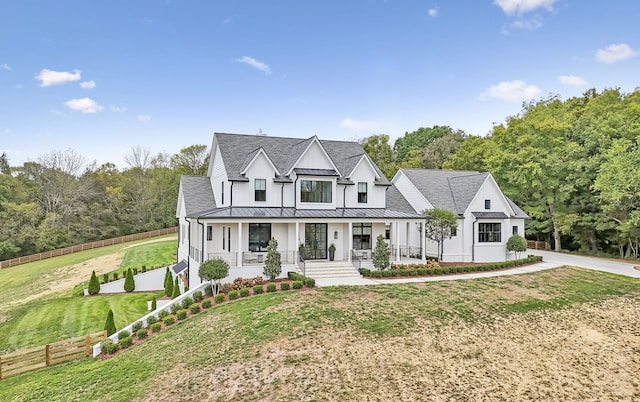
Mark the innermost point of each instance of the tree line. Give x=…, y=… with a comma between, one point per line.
x=573, y=165
x=61, y=199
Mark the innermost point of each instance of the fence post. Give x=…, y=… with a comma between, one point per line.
x=46, y=355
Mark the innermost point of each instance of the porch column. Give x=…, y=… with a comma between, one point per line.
x=239, y=258
x=205, y=247
x=350, y=240
x=297, y=260
x=423, y=241
x=396, y=226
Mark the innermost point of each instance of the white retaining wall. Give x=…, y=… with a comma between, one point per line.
x=149, y=281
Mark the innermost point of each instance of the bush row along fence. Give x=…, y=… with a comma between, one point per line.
x=50, y=354
x=86, y=246
x=537, y=245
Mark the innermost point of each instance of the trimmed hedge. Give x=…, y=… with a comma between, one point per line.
x=258, y=289
x=181, y=314
x=284, y=286
x=126, y=342
x=271, y=287
x=206, y=303
x=431, y=269
x=152, y=320
x=233, y=294
x=244, y=292
x=168, y=320
x=298, y=284
x=142, y=333
x=194, y=308
x=156, y=327
x=219, y=298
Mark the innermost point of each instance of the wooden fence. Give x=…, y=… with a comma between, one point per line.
x=537, y=245
x=48, y=355
x=86, y=246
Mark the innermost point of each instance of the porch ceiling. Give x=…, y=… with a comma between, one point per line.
x=289, y=213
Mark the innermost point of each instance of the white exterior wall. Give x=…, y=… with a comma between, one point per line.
x=218, y=175
x=314, y=157
x=411, y=193
x=375, y=194
x=244, y=193
x=317, y=205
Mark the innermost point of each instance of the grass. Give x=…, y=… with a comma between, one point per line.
x=37, y=323
x=239, y=331
x=150, y=255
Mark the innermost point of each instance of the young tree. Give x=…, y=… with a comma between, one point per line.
x=168, y=283
x=381, y=254
x=110, y=325
x=440, y=225
x=94, y=284
x=154, y=304
x=214, y=270
x=272, y=266
x=517, y=243
x=176, y=289
x=129, y=283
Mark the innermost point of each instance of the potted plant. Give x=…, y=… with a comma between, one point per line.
x=332, y=252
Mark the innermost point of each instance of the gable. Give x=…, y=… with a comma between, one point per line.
x=314, y=157
x=411, y=192
x=489, y=190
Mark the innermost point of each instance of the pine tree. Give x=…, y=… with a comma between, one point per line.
x=110, y=325
x=273, y=265
x=176, y=289
x=94, y=284
x=129, y=283
x=168, y=283
x=154, y=304
x=381, y=254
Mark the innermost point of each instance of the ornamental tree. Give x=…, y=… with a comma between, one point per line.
x=176, y=289
x=168, y=283
x=94, y=284
x=214, y=271
x=272, y=265
x=440, y=225
x=129, y=283
x=517, y=243
x=381, y=254
x=110, y=325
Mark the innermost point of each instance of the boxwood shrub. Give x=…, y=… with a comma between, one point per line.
x=168, y=320
x=136, y=326
x=162, y=314
x=219, y=298
x=271, y=287
x=208, y=290
x=181, y=314
x=258, y=289
x=186, y=302
x=109, y=347
x=233, y=294
x=142, y=333
x=194, y=308
x=123, y=334
x=152, y=320
x=206, y=303
x=156, y=327
x=244, y=292
x=126, y=342
x=298, y=284
x=284, y=286
x=197, y=296
x=175, y=307
x=310, y=282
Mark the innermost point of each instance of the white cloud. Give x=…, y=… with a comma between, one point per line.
x=144, y=118
x=615, y=53
x=88, y=84
x=84, y=105
x=5, y=67
x=50, y=77
x=572, y=80
x=255, y=63
x=358, y=125
x=519, y=7
x=433, y=12
x=117, y=109
x=511, y=91
x=531, y=24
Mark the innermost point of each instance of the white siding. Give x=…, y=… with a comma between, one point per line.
x=314, y=158
x=375, y=194
x=411, y=193
x=217, y=177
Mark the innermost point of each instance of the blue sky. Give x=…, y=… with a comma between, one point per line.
x=102, y=77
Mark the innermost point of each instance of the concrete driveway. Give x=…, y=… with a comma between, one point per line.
x=600, y=264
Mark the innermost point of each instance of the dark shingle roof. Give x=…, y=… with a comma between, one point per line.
x=396, y=201
x=197, y=194
x=276, y=212
x=237, y=149
x=452, y=190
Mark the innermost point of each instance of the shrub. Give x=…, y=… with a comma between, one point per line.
x=136, y=326
x=135, y=271
x=125, y=342
x=123, y=334
x=272, y=265
x=142, y=333
x=168, y=320
x=115, y=276
x=110, y=325
x=233, y=294
x=208, y=290
x=181, y=314
x=258, y=289
x=298, y=284
x=219, y=298
x=258, y=280
x=156, y=327
x=244, y=292
x=152, y=320
x=197, y=296
x=176, y=289
x=381, y=254
x=206, y=303
x=94, y=284
x=284, y=285
x=364, y=271
x=194, y=308
x=175, y=307
x=144, y=268
x=168, y=283
x=129, y=284
x=310, y=282
x=105, y=278
x=186, y=302
x=109, y=347
x=214, y=270
x=162, y=314
x=271, y=287
x=154, y=304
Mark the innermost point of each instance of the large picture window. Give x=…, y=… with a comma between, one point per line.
x=362, y=192
x=261, y=190
x=315, y=191
x=362, y=236
x=259, y=236
x=489, y=233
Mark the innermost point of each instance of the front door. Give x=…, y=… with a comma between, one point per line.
x=315, y=240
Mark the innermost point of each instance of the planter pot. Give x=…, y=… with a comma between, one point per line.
x=332, y=255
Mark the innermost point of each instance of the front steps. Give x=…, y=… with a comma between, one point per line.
x=330, y=269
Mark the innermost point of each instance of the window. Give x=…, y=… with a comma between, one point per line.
x=222, y=198
x=487, y=204
x=387, y=232
x=209, y=232
x=226, y=238
x=261, y=190
x=454, y=231
x=259, y=236
x=315, y=191
x=514, y=230
x=489, y=232
x=362, y=192
x=362, y=236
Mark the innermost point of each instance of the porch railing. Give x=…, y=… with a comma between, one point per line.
x=355, y=260
x=405, y=252
x=253, y=258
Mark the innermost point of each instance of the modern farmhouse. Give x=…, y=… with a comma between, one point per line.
x=486, y=217
x=316, y=198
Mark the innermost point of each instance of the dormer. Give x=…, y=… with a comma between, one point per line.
x=365, y=191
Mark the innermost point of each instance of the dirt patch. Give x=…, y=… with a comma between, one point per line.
x=582, y=353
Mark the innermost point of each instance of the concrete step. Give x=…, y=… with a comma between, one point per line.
x=330, y=269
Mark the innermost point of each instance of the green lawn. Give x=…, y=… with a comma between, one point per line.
x=150, y=255
x=238, y=331
x=41, y=322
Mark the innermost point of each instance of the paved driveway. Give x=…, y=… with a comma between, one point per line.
x=600, y=264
